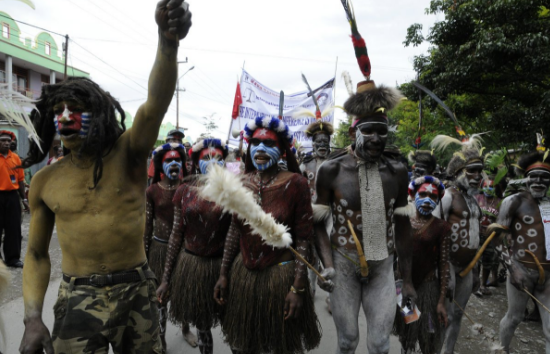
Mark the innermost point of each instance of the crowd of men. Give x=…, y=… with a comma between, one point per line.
x=370, y=234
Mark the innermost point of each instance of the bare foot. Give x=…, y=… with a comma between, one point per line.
x=189, y=337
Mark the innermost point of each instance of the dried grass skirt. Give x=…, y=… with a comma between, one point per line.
x=157, y=257
x=254, y=316
x=427, y=331
x=192, y=291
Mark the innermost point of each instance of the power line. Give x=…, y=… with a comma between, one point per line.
x=28, y=24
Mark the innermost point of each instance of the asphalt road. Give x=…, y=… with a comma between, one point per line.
x=488, y=311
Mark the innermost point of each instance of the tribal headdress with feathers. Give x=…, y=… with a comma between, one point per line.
x=534, y=160
x=208, y=143
x=13, y=108
x=470, y=153
x=161, y=151
x=318, y=126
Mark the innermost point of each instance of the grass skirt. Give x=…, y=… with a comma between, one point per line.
x=157, y=257
x=192, y=291
x=426, y=331
x=254, y=317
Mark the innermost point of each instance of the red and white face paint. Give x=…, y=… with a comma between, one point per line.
x=72, y=121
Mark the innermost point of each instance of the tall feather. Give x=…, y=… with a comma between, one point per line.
x=359, y=44
x=347, y=81
x=441, y=142
x=281, y=104
x=227, y=191
x=317, y=109
x=303, y=112
x=14, y=106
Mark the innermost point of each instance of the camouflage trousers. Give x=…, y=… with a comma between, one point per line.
x=88, y=319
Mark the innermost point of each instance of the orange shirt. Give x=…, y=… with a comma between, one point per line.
x=10, y=176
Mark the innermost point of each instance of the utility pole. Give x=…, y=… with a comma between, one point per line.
x=66, y=48
x=178, y=93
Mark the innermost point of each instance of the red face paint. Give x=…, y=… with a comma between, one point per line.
x=69, y=119
x=428, y=188
x=266, y=134
x=487, y=183
x=211, y=153
x=171, y=155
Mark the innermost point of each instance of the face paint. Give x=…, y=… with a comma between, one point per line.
x=72, y=121
x=469, y=179
x=538, y=182
x=321, y=145
x=370, y=140
x=205, y=164
x=167, y=166
x=425, y=206
x=268, y=156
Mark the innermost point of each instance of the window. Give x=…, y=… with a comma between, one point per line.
x=47, y=48
x=5, y=30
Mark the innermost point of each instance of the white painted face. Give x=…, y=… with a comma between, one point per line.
x=469, y=178
x=538, y=181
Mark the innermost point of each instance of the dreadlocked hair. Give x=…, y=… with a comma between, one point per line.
x=291, y=162
x=530, y=158
x=104, y=128
x=157, y=162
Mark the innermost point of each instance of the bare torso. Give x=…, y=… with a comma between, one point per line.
x=99, y=230
x=521, y=213
x=309, y=170
x=463, y=213
x=346, y=202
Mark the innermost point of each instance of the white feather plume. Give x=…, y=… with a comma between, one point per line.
x=327, y=111
x=303, y=112
x=409, y=211
x=349, y=84
x=14, y=106
x=227, y=191
x=320, y=212
x=442, y=142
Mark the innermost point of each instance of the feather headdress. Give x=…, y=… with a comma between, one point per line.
x=533, y=160
x=425, y=157
x=348, y=83
x=359, y=44
x=275, y=124
x=227, y=191
x=371, y=100
x=470, y=153
x=14, y=107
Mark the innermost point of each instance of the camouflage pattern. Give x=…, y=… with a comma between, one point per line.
x=88, y=319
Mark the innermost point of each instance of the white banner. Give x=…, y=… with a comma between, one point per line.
x=259, y=100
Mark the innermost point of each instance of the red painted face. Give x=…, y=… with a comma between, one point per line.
x=266, y=134
x=69, y=117
x=428, y=188
x=211, y=153
x=171, y=155
x=487, y=183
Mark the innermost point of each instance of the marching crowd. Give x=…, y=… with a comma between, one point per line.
x=402, y=245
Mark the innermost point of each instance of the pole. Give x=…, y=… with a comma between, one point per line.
x=178, y=104
x=66, y=55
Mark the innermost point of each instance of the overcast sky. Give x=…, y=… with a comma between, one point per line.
x=276, y=41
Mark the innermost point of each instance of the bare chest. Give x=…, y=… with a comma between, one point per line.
x=464, y=218
x=528, y=232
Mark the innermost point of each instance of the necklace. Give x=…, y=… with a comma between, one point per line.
x=263, y=185
x=169, y=188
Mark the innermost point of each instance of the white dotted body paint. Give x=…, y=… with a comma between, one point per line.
x=518, y=226
x=341, y=218
x=528, y=219
x=342, y=230
x=349, y=213
x=344, y=202
x=454, y=237
x=339, y=208
x=463, y=243
x=463, y=222
x=342, y=241
x=455, y=247
x=521, y=253
x=463, y=233
x=533, y=247
x=532, y=233
x=455, y=227
x=520, y=239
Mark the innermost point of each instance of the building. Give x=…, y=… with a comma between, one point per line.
x=25, y=65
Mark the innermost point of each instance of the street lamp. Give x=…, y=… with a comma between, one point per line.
x=178, y=97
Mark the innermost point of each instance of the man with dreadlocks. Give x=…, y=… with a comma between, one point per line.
x=95, y=196
x=268, y=305
x=365, y=189
x=423, y=163
x=168, y=161
x=459, y=207
x=195, y=249
x=525, y=217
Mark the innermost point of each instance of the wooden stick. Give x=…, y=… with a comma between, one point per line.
x=362, y=261
x=464, y=312
x=302, y=259
x=537, y=300
x=539, y=266
x=478, y=255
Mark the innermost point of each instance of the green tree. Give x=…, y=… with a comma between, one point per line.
x=490, y=62
x=210, y=125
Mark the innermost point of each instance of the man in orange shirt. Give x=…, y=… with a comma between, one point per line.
x=12, y=187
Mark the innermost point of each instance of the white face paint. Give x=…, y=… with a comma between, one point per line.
x=538, y=181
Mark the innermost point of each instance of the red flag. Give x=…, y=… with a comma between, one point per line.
x=237, y=102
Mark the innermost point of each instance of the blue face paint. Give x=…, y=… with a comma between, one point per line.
x=489, y=191
x=204, y=164
x=166, y=168
x=273, y=153
x=418, y=202
x=85, y=124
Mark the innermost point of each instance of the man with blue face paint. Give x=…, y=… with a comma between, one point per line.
x=168, y=160
x=431, y=242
